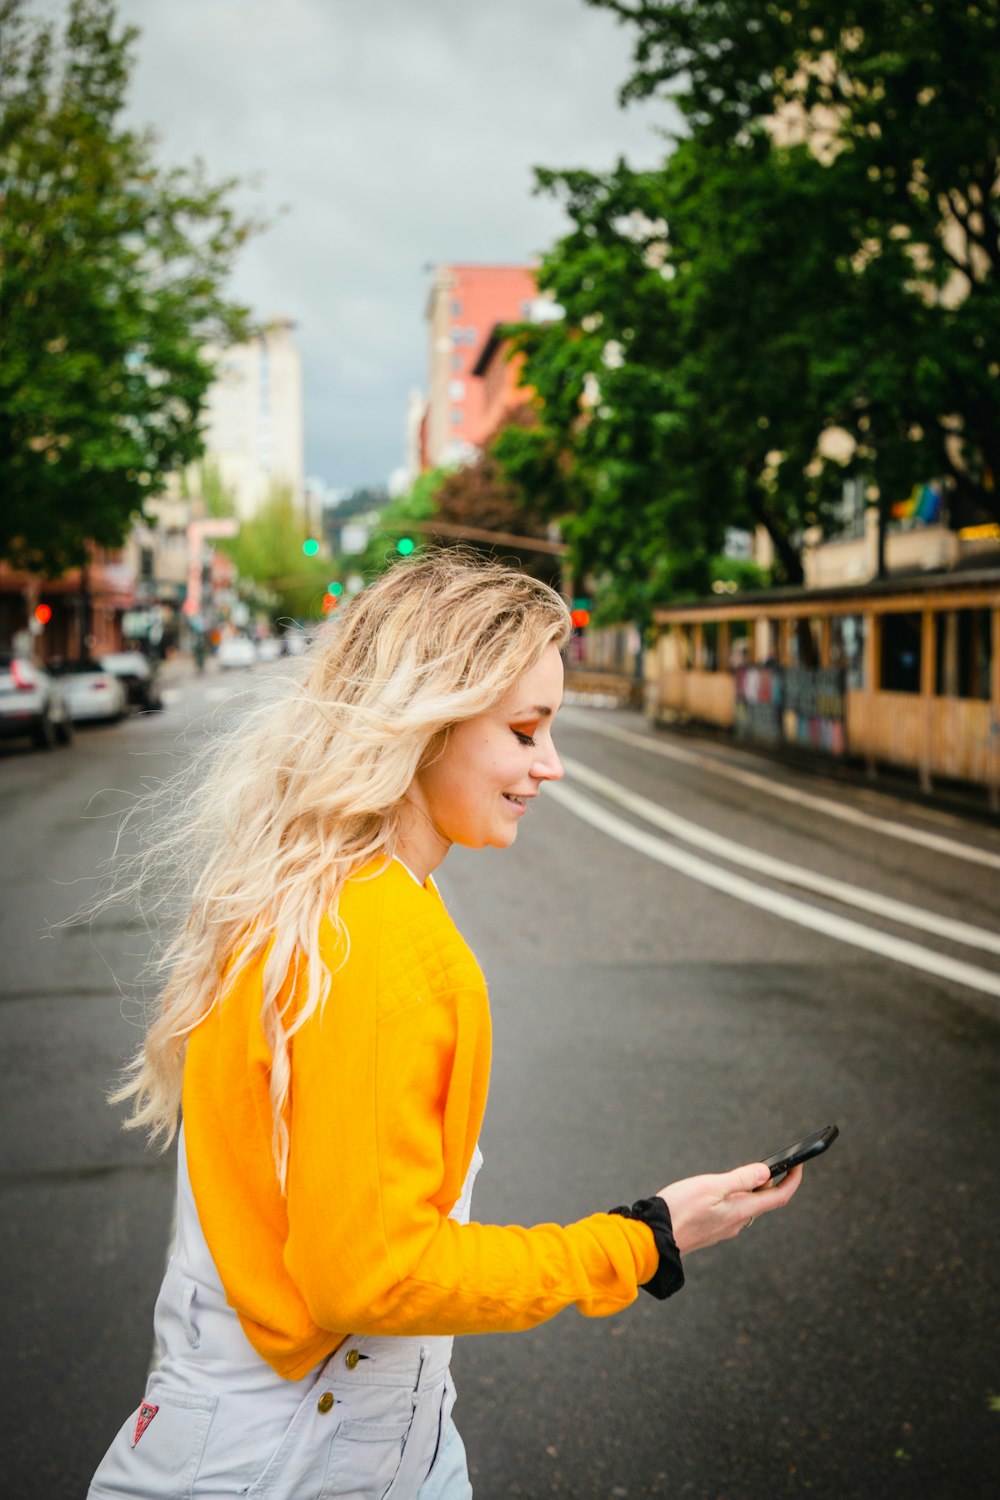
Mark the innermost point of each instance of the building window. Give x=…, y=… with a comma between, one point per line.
x=456, y=390
x=456, y=309
x=456, y=361
x=456, y=416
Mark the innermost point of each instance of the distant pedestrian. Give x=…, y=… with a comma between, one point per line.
x=327, y=1032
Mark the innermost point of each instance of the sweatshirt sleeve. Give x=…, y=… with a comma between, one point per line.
x=380, y=1141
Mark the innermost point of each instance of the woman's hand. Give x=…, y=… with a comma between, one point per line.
x=705, y=1210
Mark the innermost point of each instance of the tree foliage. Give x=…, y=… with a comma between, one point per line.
x=485, y=496
x=901, y=102
x=267, y=551
x=679, y=396
x=416, y=504
x=805, y=289
x=113, y=271
x=479, y=496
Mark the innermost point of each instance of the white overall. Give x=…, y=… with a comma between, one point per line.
x=368, y=1423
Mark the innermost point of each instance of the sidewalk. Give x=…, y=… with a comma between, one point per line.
x=180, y=669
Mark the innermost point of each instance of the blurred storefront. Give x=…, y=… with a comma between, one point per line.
x=79, y=614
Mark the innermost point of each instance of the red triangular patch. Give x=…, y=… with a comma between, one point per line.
x=146, y=1414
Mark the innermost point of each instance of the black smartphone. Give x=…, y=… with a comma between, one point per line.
x=804, y=1150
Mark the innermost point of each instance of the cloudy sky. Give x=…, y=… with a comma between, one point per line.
x=398, y=133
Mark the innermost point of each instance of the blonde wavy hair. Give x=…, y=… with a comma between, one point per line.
x=262, y=829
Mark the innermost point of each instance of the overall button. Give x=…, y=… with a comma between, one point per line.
x=351, y=1358
x=325, y=1402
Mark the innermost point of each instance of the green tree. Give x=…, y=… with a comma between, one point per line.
x=112, y=271
x=203, y=483
x=416, y=504
x=901, y=101
x=682, y=395
x=268, y=555
x=596, y=457
x=484, y=496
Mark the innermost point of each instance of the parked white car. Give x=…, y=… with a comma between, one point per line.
x=137, y=675
x=268, y=648
x=236, y=651
x=91, y=692
x=32, y=703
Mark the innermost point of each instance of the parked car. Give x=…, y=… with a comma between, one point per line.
x=236, y=651
x=90, y=691
x=138, y=676
x=32, y=703
x=268, y=648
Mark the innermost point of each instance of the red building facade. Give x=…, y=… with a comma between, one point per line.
x=466, y=304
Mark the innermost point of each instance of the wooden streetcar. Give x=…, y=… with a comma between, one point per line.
x=902, y=672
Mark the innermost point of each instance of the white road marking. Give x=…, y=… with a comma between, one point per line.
x=780, y=869
x=844, y=811
x=842, y=928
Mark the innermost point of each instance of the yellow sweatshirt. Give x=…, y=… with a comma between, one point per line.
x=388, y=1088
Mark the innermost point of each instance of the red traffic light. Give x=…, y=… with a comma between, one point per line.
x=43, y=613
x=580, y=618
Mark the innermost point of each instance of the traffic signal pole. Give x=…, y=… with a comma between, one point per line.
x=476, y=534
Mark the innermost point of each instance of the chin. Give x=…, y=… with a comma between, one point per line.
x=502, y=839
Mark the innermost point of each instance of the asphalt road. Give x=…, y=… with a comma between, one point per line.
x=648, y=1024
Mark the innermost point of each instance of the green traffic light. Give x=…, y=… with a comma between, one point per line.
x=310, y=547
x=336, y=589
x=405, y=546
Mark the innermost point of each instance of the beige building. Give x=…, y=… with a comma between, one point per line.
x=932, y=548
x=416, y=412
x=254, y=421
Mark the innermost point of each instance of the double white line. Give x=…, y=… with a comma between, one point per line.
x=843, y=811
x=843, y=928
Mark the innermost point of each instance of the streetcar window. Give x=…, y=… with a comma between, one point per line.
x=847, y=648
x=709, y=646
x=964, y=653
x=805, y=641
x=900, y=664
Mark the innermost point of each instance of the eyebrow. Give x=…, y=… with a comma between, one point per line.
x=542, y=709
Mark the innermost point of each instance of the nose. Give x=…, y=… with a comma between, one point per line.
x=548, y=767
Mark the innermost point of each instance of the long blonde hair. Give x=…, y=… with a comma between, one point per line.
x=262, y=830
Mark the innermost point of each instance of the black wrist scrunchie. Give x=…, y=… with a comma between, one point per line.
x=669, y=1276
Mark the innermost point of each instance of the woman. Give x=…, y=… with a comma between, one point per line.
x=326, y=1030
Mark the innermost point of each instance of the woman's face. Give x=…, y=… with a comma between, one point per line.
x=478, y=789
